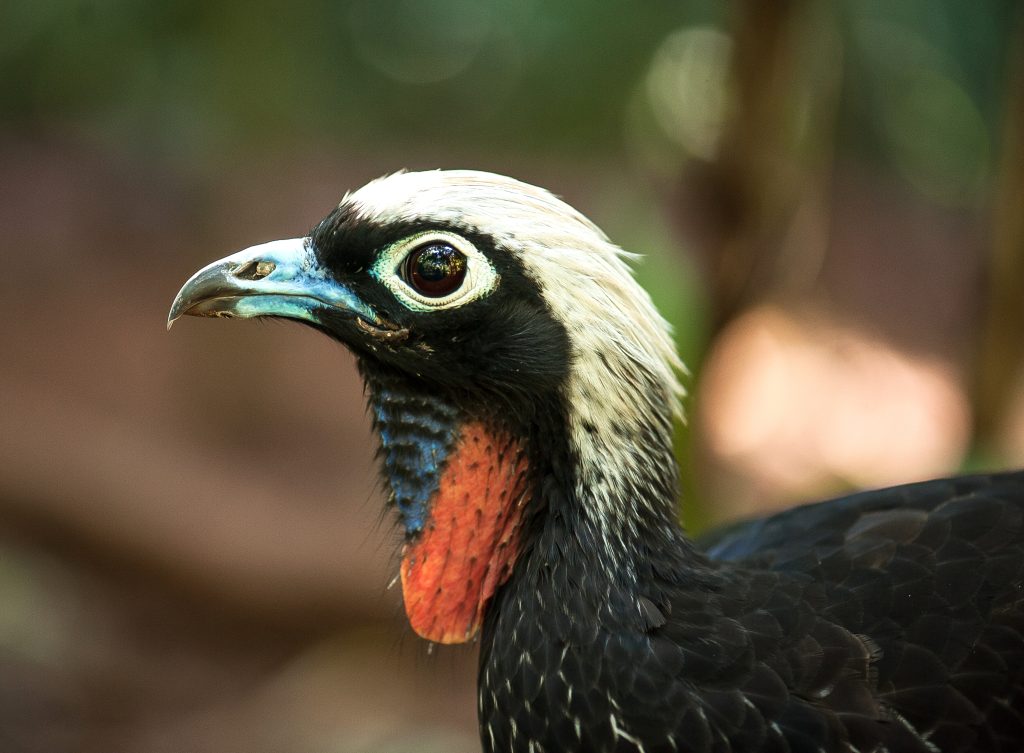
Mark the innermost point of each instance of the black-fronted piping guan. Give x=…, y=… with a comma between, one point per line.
x=524, y=391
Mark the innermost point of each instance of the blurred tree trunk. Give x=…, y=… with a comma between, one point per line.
x=1001, y=354
x=766, y=171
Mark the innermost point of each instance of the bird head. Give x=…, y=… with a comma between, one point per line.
x=513, y=364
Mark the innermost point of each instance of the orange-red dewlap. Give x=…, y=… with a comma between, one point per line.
x=471, y=539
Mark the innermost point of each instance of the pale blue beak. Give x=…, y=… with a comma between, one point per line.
x=280, y=278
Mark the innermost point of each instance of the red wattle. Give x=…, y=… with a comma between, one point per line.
x=471, y=540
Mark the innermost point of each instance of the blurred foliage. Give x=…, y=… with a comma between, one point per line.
x=214, y=76
x=925, y=87
x=923, y=82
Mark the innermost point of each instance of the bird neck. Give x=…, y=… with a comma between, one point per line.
x=620, y=520
x=499, y=486
x=623, y=478
x=605, y=547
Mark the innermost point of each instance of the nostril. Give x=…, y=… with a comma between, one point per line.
x=255, y=270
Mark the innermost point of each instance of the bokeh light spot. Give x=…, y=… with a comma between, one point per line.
x=687, y=88
x=937, y=136
x=420, y=43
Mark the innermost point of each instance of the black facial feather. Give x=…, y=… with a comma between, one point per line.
x=506, y=346
x=347, y=243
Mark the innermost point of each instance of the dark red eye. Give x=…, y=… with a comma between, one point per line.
x=435, y=269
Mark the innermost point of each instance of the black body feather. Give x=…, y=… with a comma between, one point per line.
x=890, y=620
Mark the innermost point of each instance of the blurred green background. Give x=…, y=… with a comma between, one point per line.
x=829, y=197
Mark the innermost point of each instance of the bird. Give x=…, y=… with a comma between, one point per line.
x=525, y=391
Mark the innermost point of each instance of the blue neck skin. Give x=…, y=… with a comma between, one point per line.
x=416, y=435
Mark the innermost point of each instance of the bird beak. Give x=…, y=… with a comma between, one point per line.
x=281, y=278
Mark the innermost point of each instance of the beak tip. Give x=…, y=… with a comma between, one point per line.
x=176, y=311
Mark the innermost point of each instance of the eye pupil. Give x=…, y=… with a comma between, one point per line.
x=435, y=269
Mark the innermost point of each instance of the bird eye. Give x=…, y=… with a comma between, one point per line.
x=435, y=269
